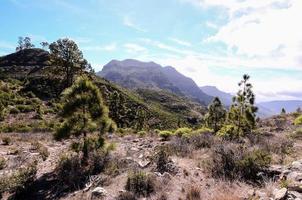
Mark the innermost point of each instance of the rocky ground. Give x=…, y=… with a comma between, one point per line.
x=137, y=153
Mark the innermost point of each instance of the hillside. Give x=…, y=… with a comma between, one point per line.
x=135, y=74
x=276, y=106
x=23, y=63
x=127, y=108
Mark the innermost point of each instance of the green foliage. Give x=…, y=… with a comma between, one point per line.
x=197, y=132
x=215, y=118
x=229, y=132
x=67, y=61
x=140, y=183
x=24, y=43
x=242, y=114
x=165, y=135
x=297, y=134
x=298, y=120
x=142, y=133
x=283, y=111
x=182, y=131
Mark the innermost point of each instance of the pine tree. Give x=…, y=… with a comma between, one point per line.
x=216, y=115
x=84, y=112
x=24, y=43
x=67, y=61
x=242, y=113
x=283, y=111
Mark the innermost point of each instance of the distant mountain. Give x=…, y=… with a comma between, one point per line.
x=135, y=74
x=226, y=98
x=276, y=106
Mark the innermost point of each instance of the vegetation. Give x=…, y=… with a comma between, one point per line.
x=216, y=115
x=182, y=131
x=24, y=43
x=84, y=112
x=298, y=120
x=165, y=135
x=241, y=117
x=67, y=61
x=140, y=183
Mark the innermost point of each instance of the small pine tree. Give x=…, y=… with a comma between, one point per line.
x=84, y=112
x=242, y=113
x=216, y=115
x=283, y=111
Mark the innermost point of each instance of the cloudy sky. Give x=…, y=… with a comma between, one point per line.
x=212, y=41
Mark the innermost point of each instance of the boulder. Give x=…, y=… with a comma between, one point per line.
x=99, y=192
x=280, y=194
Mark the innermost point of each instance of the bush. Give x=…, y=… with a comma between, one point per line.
x=182, y=131
x=20, y=181
x=297, y=134
x=163, y=163
x=298, y=120
x=232, y=161
x=126, y=196
x=193, y=193
x=140, y=184
x=165, y=135
x=2, y=162
x=229, y=132
x=142, y=133
x=6, y=140
x=14, y=110
x=25, y=108
x=197, y=132
x=43, y=151
x=204, y=140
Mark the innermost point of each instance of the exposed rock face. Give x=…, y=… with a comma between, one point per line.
x=99, y=192
x=280, y=194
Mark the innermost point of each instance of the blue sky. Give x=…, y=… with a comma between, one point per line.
x=212, y=41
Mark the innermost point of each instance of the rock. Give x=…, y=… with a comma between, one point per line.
x=295, y=195
x=251, y=193
x=141, y=156
x=166, y=175
x=280, y=194
x=294, y=176
x=134, y=149
x=297, y=165
x=99, y=192
x=143, y=163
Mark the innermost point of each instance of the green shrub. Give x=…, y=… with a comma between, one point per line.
x=25, y=108
x=2, y=162
x=197, y=132
x=229, y=132
x=181, y=131
x=162, y=160
x=298, y=120
x=165, y=135
x=6, y=140
x=142, y=133
x=14, y=110
x=140, y=183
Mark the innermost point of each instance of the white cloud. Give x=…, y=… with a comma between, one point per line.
x=134, y=48
x=181, y=42
x=128, y=21
x=109, y=47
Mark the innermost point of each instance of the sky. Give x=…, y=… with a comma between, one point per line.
x=214, y=42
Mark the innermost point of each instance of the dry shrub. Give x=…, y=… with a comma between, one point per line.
x=140, y=183
x=6, y=140
x=2, y=162
x=126, y=196
x=20, y=181
x=233, y=161
x=193, y=193
x=43, y=151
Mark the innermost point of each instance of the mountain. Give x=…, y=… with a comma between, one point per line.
x=136, y=109
x=226, y=98
x=276, y=106
x=135, y=74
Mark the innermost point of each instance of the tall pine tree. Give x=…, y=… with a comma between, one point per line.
x=242, y=113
